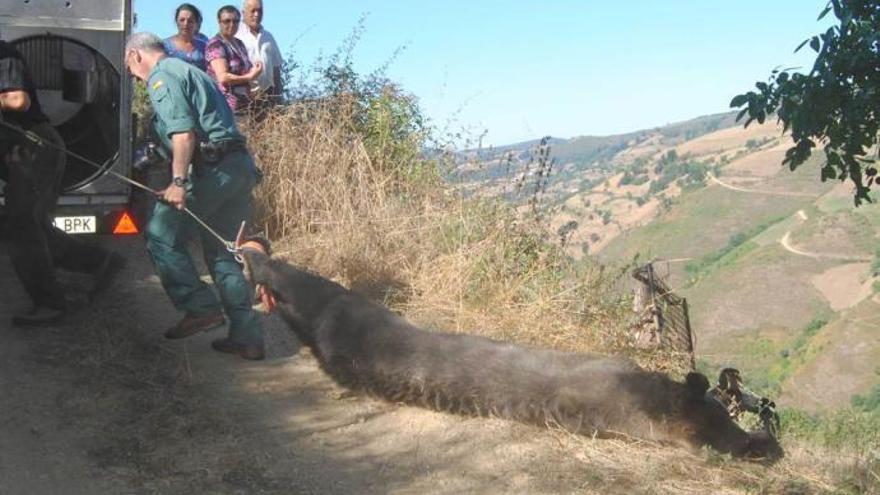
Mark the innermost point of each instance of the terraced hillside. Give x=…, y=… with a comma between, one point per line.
x=778, y=267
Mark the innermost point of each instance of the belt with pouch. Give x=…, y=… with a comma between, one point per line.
x=210, y=153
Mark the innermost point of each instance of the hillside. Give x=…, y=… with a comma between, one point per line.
x=776, y=266
x=590, y=155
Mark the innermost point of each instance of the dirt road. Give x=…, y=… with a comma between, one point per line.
x=787, y=245
x=103, y=404
x=725, y=185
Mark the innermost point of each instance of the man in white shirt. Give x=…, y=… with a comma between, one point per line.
x=261, y=46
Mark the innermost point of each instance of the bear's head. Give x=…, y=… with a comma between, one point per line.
x=711, y=425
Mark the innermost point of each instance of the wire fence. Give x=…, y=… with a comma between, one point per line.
x=662, y=320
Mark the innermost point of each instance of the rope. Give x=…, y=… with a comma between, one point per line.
x=42, y=142
x=229, y=245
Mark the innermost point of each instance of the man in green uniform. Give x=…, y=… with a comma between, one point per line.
x=213, y=175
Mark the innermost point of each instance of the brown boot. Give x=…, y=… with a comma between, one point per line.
x=246, y=351
x=193, y=324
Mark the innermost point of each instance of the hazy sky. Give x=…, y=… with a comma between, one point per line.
x=521, y=70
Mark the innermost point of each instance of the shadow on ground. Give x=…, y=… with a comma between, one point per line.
x=103, y=404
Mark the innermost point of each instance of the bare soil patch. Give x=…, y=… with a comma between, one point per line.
x=757, y=189
x=846, y=285
x=762, y=163
x=729, y=139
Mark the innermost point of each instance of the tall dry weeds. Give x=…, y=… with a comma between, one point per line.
x=366, y=207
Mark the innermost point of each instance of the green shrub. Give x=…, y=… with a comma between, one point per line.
x=671, y=169
x=734, y=242
x=388, y=119
x=142, y=111
x=875, y=265
x=773, y=366
x=849, y=429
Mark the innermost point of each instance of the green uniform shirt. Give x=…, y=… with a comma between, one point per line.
x=186, y=99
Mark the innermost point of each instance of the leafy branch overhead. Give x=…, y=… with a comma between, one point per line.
x=836, y=103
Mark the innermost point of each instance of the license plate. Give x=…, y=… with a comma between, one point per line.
x=77, y=225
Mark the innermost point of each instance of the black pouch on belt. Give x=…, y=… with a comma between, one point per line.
x=211, y=153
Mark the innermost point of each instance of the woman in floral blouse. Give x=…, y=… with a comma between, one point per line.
x=187, y=44
x=228, y=62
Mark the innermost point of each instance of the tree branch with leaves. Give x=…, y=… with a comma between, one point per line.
x=836, y=104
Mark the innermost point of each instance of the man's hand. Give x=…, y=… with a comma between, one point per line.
x=174, y=196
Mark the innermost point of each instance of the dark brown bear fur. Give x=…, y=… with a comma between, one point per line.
x=364, y=346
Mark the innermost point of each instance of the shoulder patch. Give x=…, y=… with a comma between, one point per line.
x=157, y=85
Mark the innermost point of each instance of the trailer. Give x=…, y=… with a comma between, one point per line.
x=75, y=52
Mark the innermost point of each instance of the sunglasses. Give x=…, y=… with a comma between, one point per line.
x=230, y=21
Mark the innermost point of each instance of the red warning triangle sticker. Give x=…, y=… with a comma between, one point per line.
x=125, y=225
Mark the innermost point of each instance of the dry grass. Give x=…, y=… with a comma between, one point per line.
x=642, y=467
x=395, y=231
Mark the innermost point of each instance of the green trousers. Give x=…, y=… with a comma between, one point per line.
x=221, y=196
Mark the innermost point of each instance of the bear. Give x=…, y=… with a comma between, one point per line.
x=365, y=347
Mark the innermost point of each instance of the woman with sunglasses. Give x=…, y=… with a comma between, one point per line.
x=228, y=61
x=188, y=44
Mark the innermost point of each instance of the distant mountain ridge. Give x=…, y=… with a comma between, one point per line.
x=582, y=152
x=586, y=150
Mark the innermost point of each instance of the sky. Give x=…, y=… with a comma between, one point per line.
x=513, y=70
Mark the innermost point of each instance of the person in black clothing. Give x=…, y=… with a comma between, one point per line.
x=34, y=172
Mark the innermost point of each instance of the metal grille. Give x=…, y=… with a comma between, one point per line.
x=662, y=316
x=44, y=57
